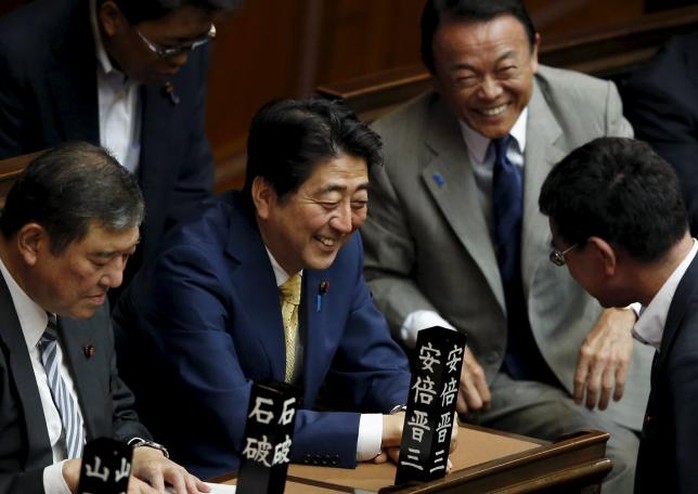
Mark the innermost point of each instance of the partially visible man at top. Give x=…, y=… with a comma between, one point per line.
x=615, y=210
x=130, y=75
x=267, y=284
x=67, y=229
x=454, y=236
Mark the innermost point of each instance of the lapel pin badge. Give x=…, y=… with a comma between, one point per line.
x=438, y=180
x=323, y=288
x=89, y=351
x=169, y=91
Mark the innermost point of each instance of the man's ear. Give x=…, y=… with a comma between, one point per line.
x=607, y=255
x=534, y=54
x=263, y=197
x=111, y=18
x=32, y=239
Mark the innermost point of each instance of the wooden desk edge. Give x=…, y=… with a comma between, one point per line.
x=578, y=457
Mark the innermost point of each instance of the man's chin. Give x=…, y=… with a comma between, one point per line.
x=84, y=312
x=321, y=262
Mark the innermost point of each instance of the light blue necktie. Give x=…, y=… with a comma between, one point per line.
x=67, y=407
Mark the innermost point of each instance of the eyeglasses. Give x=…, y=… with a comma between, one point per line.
x=173, y=51
x=557, y=257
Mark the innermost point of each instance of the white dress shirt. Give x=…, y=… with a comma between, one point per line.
x=482, y=158
x=368, y=443
x=33, y=320
x=119, y=106
x=649, y=328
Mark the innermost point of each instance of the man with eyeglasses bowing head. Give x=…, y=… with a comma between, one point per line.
x=619, y=223
x=129, y=75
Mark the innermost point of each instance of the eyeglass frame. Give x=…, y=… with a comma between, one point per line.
x=557, y=257
x=178, y=50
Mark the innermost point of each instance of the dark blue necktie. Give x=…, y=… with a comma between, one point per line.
x=523, y=359
x=507, y=207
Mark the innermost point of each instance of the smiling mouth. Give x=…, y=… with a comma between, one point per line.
x=327, y=241
x=494, y=111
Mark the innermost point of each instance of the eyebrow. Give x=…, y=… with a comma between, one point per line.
x=116, y=252
x=339, y=188
x=466, y=66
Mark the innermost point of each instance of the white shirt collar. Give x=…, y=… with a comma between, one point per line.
x=279, y=273
x=649, y=328
x=478, y=144
x=32, y=318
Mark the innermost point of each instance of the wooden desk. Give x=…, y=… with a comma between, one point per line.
x=485, y=461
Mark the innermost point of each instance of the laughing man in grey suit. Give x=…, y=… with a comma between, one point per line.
x=540, y=347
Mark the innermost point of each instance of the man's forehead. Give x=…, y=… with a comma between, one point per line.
x=98, y=234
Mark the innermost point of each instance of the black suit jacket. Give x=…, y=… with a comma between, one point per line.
x=106, y=403
x=669, y=445
x=661, y=102
x=48, y=95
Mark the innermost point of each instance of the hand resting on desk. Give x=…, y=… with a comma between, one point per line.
x=392, y=435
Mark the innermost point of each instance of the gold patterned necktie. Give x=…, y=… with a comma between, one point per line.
x=290, y=299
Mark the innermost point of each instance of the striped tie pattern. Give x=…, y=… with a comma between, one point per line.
x=290, y=299
x=67, y=407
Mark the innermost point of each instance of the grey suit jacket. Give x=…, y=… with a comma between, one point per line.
x=106, y=403
x=428, y=245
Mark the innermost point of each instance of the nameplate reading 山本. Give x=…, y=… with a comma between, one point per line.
x=268, y=433
x=429, y=419
x=106, y=466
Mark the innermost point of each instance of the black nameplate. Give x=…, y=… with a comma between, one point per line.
x=106, y=466
x=426, y=437
x=271, y=415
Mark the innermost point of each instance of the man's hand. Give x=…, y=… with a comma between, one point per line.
x=71, y=473
x=473, y=391
x=150, y=466
x=149, y=472
x=604, y=358
x=392, y=430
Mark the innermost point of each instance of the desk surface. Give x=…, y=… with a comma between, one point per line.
x=484, y=460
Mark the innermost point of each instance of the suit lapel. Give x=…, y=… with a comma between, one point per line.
x=75, y=336
x=685, y=292
x=541, y=154
x=319, y=327
x=450, y=181
x=252, y=271
x=38, y=444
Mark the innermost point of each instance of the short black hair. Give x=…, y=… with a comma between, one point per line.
x=620, y=190
x=469, y=11
x=137, y=11
x=69, y=188
x=289, y=138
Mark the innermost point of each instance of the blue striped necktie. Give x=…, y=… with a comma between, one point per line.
x=67, y=407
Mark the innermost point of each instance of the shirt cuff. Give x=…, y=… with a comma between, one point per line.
x=368, y=444
x=54, y=482
x=418, y=320
x=636, y=307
